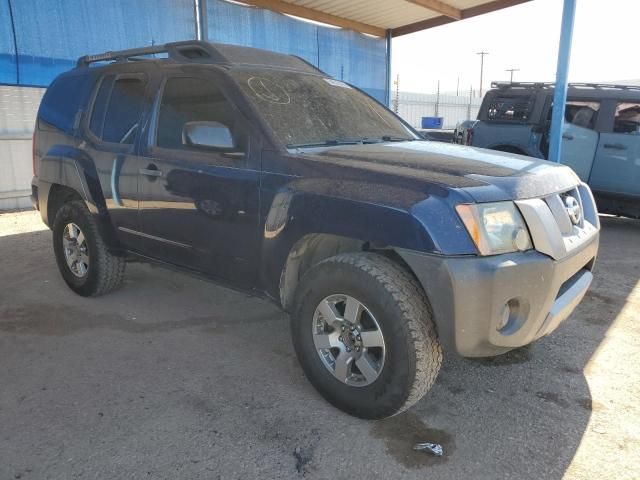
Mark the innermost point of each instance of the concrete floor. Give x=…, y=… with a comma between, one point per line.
x=174, y=377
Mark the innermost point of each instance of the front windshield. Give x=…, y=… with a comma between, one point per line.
x=308, y=110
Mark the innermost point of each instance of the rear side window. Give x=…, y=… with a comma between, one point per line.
x=62, y=102
x=515, y=108
x=117, y=108
x=627, y=119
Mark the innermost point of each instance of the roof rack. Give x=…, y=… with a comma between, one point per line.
x=603, y=86
x=196, y=51
x=190, y=50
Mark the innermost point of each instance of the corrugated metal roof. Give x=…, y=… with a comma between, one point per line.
x=378, y=17
x=379, y=13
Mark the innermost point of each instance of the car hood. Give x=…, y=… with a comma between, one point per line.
x=486, y=175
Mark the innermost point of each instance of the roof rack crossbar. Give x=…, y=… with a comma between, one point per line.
x=173, y=50
x=120, y=54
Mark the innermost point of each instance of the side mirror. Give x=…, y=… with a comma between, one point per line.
x=213, y=135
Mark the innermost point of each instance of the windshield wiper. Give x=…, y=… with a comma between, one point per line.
x=389, y=138
x=326, y=143
x=334, y=142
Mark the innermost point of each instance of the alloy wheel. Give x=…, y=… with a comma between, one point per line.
x=76, y=251
x=348, y=340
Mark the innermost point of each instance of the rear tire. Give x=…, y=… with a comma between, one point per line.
x=400, y=367
x=85, y=263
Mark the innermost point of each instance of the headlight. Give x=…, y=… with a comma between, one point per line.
x=495, y=227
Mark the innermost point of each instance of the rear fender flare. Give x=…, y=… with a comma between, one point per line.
x=73, y=168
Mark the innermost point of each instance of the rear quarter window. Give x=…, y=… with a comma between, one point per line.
x=509, y=108
x=62, y=101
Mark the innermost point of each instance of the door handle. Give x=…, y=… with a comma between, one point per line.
x=150, y=171
x=567, y=136
x=615, y=146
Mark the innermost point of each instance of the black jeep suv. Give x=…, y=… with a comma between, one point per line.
x=260, y=171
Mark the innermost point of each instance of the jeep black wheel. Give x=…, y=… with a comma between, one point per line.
x=362, y=330
x=82, y=257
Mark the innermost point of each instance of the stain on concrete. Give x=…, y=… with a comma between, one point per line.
x=513, y=357
x=215, y=328
x=592, y=294
x=219, y=324
x=571, y=369
x=282, y=352
x=303, y=456
x=585, y=403
x=589, y=404
x=202, y=405
x=402, y=432
x=304, y=451
x=56, y=320
x=553, y=397
x=599, y=319
x=455, y=389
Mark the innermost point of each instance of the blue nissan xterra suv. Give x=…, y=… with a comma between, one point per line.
x=260, y=171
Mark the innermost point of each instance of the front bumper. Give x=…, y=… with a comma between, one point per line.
x=472, y=297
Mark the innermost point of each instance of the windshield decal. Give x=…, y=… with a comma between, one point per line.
x=268, y=91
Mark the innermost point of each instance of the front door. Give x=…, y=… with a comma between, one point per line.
x=199, y=205
x=617, y=166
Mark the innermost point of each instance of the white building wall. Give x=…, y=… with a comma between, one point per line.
x=454, y=109
x=18, y=110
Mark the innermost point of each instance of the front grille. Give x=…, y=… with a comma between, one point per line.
x=574, y=213
x=550, y=225
x=557, y=203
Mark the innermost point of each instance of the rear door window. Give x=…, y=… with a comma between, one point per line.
x=100, y=105
x=627, y=119
x=582, y=114
x=117, y=109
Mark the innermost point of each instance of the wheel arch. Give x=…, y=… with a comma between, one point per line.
x=309, y=220
x=57, y=196
x=68, y=173
x=313, y=248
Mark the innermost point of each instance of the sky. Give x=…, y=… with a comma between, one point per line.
x=605, y=47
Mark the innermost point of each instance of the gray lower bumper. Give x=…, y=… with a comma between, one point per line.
x=473, y=297
x=34, y=194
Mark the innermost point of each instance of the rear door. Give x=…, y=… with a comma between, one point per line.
x=199, y=206
x=617, y=166
x=112, y=130
x=579, y=136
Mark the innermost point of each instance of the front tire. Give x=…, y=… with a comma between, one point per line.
x=363, y=333
x=85, y=263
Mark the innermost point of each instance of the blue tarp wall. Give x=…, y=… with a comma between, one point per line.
x=41, y=38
